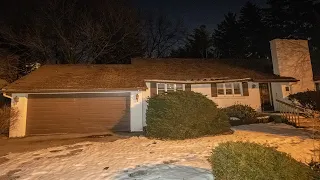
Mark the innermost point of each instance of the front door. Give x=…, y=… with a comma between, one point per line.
x=266, y=97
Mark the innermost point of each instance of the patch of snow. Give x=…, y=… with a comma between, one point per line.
x=234, y=119
x=109, y=160
x=263, y=117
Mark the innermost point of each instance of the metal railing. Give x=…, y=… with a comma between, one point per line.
x=290, y=112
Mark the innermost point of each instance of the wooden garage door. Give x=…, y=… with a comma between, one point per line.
x=77, y=113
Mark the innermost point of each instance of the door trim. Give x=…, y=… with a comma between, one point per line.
x=270, y=97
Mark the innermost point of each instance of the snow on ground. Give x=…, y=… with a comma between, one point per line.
x=138, y=157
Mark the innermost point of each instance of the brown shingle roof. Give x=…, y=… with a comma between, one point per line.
x=131, y=76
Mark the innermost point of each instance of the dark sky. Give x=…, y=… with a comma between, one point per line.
x=195, y=12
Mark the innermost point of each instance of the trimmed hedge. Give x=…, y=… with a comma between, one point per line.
x=245, y=113
x=244, y=160
x=182, y=115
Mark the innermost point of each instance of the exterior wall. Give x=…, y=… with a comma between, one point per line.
x=291, y=58
x=136, y=111
x=18, y=126
x=279, y=92
x=252, y=100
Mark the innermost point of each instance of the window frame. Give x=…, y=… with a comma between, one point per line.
x=166, y=87
x=232, y=87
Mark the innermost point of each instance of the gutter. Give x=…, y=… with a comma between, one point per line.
x=222, y=80
x=198, y=81
x=275, y=80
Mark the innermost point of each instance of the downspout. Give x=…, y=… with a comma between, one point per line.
x=7, y=96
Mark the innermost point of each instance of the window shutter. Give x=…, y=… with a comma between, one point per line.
x=153, y=89
x=245, y=89
x=187, y=87
x=214, y=92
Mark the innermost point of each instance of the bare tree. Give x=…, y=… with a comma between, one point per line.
x=75, y=31
x=162, y=35
x=9, y=68
x=8, y=119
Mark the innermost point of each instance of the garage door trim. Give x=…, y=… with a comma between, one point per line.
x=124, y=104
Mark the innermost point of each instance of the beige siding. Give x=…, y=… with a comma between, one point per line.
x=252, y=100
x=136, y=111
x=18, y=128
x=279, y=92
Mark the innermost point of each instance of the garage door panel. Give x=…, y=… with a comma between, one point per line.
x=77, y=113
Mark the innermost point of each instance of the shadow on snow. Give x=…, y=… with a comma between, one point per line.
x=165, y=171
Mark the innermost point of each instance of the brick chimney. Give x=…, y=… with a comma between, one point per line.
x=291, y=58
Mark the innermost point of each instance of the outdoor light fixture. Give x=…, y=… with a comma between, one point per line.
x=16, y=99
x=137, y=97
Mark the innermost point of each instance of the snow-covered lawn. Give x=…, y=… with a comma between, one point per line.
x=139, y=157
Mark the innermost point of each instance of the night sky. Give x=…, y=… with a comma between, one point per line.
x=195, y=12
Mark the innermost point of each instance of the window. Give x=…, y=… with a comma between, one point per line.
x=229, y=89
x=179, y=87
x=161, y=88
x=236, y=88
x=220, y=88
x=169, y=87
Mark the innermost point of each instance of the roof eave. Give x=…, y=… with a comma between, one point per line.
x=221, y=80
x=197, y=81
x=275, y=80
x=71, y=90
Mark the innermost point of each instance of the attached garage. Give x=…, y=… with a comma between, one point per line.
x=77, y=113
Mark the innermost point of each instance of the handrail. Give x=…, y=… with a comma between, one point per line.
x=291, y=105
x=290, y=112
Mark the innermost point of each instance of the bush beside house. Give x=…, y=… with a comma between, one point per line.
x=245, y=114
x=182, y=115
x=244, y=160
x=308, y=99
x=278, y=119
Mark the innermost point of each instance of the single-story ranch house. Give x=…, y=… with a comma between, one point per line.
x=57, y=99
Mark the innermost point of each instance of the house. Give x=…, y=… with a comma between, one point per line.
x=59, y=99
